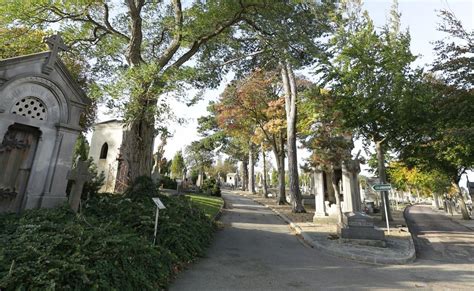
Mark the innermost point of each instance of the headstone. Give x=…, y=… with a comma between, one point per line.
x=307, y=199
x=360, y=226
x=350, y=186
x=40, y=107
x=318, y=188
x=199, y=180
x=79, y=175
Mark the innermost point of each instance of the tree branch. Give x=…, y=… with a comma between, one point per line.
x=109, y=26
x=134, y=50
x=176, y=42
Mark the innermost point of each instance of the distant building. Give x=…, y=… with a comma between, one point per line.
x=232, y=179
x=105, y=150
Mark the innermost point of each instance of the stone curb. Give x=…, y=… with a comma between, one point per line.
x=219, y=213
x=355, y=257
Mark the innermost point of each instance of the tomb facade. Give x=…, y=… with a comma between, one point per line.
x=40, y=108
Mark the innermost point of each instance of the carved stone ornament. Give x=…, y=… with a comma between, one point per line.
x=10, y=143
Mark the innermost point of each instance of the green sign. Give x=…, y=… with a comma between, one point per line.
x=382, y=187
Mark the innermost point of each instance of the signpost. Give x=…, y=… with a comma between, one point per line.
x=159, y=205
x=380, y=188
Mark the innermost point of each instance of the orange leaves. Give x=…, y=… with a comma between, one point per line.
x=252, y=108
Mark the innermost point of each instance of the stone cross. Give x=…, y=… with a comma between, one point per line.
x=55, y=44
x=79, y=175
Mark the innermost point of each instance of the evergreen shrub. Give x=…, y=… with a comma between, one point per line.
x=211, y=187
x=107, y=246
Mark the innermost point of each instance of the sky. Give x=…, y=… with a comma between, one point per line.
x=419, y=16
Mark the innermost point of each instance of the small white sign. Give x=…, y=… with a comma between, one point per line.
x=158, y=203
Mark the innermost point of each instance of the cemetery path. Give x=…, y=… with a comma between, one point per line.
x=438, y=238
x=256, y=250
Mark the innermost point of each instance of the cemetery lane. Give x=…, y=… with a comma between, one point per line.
x=438, y=238
x=256, y=250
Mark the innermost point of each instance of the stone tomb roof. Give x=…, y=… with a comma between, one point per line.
x=26, y=76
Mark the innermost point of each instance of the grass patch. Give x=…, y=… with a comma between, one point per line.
x=209, y=204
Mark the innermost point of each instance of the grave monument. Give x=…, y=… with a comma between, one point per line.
x=40, y=108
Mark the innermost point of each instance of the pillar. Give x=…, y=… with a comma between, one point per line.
x=318, y=186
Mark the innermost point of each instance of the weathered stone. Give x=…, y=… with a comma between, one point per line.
x=79, y=176
x=40, y=109
x=359, y=226
x=307, y=199
x=350, y=186
x=318, y=189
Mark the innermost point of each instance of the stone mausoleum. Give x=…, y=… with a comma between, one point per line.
x=40, y=108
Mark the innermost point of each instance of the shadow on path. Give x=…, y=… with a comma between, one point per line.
x=257, y=251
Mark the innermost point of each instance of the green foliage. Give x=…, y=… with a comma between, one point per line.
x=371, y=74
x=211, y=187
x=91, y=188
x=454, y=59
x=443, y=139
x=323, y=129
x=222, y=168
x=274, y=177
x=199, y=154
x=19, y=41
x=81, y=148
x=415, y=180
x=107, y=247
x=177, y=166
x=168, y=183
x=194, y=175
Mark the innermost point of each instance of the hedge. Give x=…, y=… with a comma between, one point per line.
x=107, y=246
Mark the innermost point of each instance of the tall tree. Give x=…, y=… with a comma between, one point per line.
x=325, y=134
x=444, y=139
x=199, y=157
x=372, y=74
x=147, y=44
x=442, y=134
x=177, y=166
x=288, y=36
x=454, y=61
x=251, y=108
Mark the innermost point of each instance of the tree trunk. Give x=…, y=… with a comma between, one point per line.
x=265, y=189
x=137, y=148
x=289, y=84
x=251, y=177
x=244, y=175
x=337, y=192
x=462, y=204
x=382, y=179
x=280, y=161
